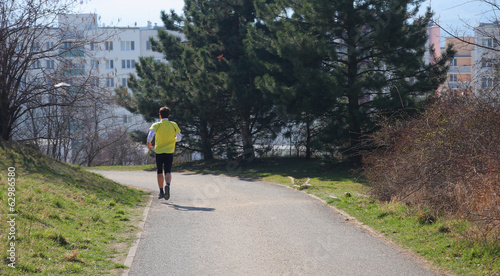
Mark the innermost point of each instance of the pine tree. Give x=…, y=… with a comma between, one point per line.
x=186, y=83
x=209, y=78
x=303, y=96
x=228, y=23
x=366, y=57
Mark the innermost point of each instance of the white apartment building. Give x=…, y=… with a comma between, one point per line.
x=112, y=53
x=486, y=55
x=93, y=59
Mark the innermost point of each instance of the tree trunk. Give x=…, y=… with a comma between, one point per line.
x=207, y=151
x=206, y=145
x=308, y=136
x=5, y=131
x=5, y=127
x=246, y=137
x=352, y=88
x=354, y=131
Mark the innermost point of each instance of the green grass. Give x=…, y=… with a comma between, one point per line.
x=69, y=221
x=449, y=244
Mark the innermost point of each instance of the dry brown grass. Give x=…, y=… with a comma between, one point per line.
x=73, y=257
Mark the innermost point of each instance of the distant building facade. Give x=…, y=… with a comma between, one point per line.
x=486, y=57
x=474, y=70
x=461, y=72
x=91, y=59
x=114, y=56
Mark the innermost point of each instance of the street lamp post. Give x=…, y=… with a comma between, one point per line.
x=64, y=148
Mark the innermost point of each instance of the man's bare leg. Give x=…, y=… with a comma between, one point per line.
x=168, y=178
x=160, y=180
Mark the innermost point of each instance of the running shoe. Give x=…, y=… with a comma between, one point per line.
x=167, y=192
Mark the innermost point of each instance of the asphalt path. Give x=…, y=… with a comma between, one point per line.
x=218, y=225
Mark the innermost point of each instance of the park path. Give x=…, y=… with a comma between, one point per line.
x=217, y=225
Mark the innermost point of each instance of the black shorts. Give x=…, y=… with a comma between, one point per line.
x=164, y=162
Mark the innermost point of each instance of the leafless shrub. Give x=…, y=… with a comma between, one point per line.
x=447, y=159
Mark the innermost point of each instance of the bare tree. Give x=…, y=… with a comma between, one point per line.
x=27, y=39
x=41, y=45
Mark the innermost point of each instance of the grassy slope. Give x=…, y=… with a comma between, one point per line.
x=69, y=221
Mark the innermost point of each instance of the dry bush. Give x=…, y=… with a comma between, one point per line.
x=448, y=158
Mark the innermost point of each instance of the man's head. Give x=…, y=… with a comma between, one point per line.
x=164, y=112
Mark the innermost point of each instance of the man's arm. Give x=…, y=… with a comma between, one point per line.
x=150, y=138
x=178, y=137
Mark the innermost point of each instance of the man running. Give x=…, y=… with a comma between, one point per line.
x=166, y=134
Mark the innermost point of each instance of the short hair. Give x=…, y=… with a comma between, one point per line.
x=165, y=112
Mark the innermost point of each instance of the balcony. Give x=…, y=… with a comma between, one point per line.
x=77, y=52
x=459, y=85
x=460, y=70
x=74, y=72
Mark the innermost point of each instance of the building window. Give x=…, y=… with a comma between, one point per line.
x=487, y=82
x=453, y=77
x=71, y=50
x=486, y=63
x=67, y=45
x=94, y=82
x=110, y=82
x=37, y=64
x=93, y=46
x=50, y=64
x=49, y=45
x=94, y=64
x=128, y=46
x=35, y=47
x=73, y=69
x=124, y=82
x=109, y=64
x=128, y=63
x=108, y=45
x=79, y=68
x=453, y=62
x=489, y=42
x=148, y=45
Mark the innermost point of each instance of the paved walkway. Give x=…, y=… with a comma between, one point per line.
x=216, y=225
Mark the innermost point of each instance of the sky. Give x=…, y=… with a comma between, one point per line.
x=125, y=13
x=450, y=14
x=460, y=15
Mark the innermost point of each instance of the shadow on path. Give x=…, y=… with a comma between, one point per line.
x=188, y=208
